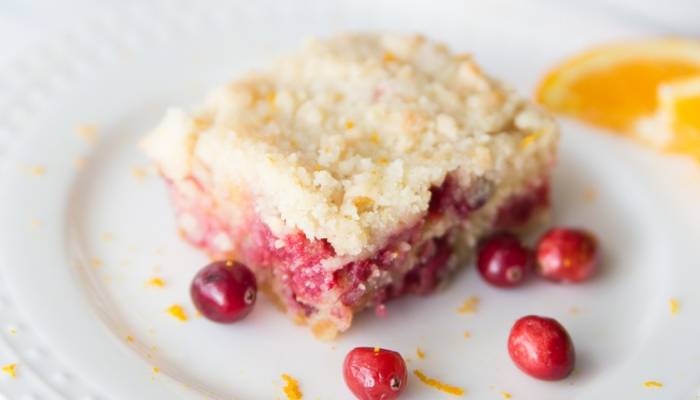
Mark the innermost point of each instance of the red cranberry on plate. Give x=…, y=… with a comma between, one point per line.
x=503, y=261
x=224, y=291
x=567, y=255
x=541, y=348
x=374, y=373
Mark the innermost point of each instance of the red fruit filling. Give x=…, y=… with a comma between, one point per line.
x=294, y=264
x=521, y=208
x=454, y=198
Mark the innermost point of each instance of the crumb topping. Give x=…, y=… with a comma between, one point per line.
x=344, y=139
x=291, y=388
x=441, y=386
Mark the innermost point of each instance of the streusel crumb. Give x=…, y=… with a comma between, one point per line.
x=344, y=139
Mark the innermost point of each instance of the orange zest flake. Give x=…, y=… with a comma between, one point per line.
x=374, y=138
x=420, y=353
x=506, y=395
x=129, y=338
x=95, y=262
x=467, y=334
x=674, y=305
x=138, y=172
x=79, y=162
x=201, y=123
x=37, y=170
x=349, y=124
x=389, y=57
x=156, y=370
x=156, y=282
x=469, y=306
x=271, y=97
x=87, y=132
x=362, y=203
x=590, y=194
x=528, y=140
x=10, y=369
x=176, y=311
x=291, y=388
x=443, y=387
x=653, y=384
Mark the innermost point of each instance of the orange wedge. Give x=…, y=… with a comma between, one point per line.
x=615, y=86
x=676, y=125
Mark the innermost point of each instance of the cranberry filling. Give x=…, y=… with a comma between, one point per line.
x=519, y=209
x=425, y=277
x=353, y=275
x=452, y=197
x=297, y=260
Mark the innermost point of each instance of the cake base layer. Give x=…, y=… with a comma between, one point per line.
x=315, y=286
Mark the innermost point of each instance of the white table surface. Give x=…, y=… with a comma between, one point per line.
x=26, y=23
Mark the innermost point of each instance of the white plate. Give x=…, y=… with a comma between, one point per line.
x=123, y=70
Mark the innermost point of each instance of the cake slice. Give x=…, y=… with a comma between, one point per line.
x=359, y=169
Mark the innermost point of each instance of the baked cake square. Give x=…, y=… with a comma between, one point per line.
x=361, y=168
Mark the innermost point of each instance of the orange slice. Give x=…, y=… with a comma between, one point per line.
x=615, y=86
x=676, y=125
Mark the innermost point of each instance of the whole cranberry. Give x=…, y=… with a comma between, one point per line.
x=224, y=291
x=503, y=261
x=374, y=373
x=567, y=255
x=541, y=348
